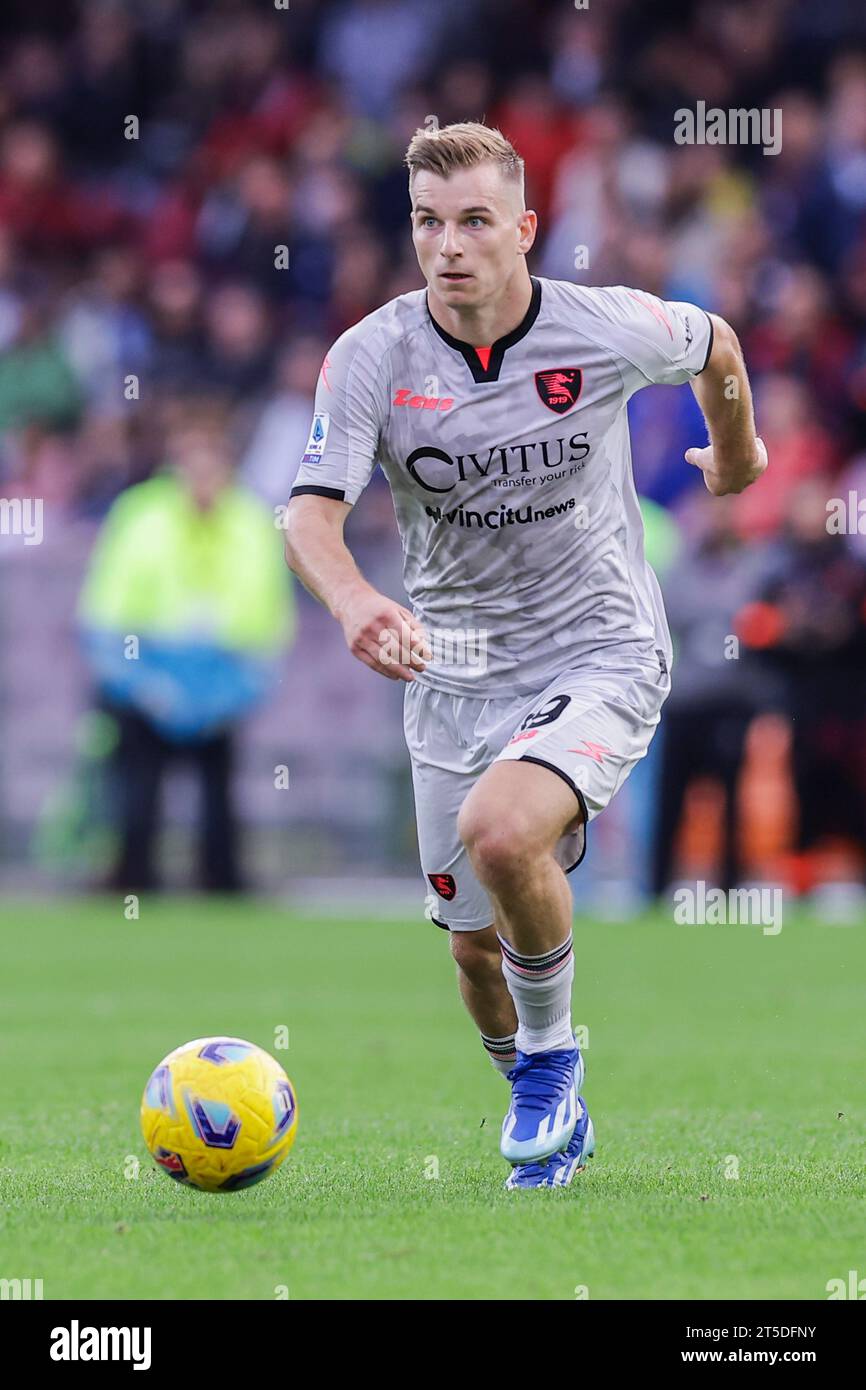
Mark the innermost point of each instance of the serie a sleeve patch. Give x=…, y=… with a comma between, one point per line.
x=318, y=437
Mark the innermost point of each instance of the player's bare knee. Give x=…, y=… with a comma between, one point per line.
x=503, y=852
x=477, y=953
x=488, y=830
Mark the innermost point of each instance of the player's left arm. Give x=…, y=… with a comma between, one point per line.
x=668, y=342
x=735, y=457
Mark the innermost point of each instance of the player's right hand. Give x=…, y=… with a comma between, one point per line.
x=385, y=635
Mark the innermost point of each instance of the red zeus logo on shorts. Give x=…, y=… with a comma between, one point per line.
x=444, y=885
x=596, y=751
x=405, y=397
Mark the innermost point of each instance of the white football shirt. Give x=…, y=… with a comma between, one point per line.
x=510, y=469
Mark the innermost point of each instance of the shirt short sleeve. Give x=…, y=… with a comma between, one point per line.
x=341, y=450
x=659, y=341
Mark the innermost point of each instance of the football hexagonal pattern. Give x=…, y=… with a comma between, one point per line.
x=219, y=1114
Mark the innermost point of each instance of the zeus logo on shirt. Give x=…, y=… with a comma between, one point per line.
x=318, y=438
x=406, y=397
x=502, y=460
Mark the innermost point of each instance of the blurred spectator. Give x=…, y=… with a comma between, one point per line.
x=49, y=213
x=807, y=621
x=283, y=427
x=238, y=341
x=374, y=47
x=185, y=609
x=713, y=698
x=804, y=334
x=37, y=385
x=103, y=330
x=175, y=295
x=800, y=447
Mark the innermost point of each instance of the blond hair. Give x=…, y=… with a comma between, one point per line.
x=462, y=145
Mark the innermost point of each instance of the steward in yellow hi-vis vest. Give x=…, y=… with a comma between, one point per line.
x=185, y=616
x=185, y=609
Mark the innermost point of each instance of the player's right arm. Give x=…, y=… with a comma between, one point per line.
x=378, y=630
x=339, y=458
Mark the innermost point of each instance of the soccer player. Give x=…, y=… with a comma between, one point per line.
x=536, y=654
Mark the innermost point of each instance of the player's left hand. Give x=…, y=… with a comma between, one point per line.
x=722, y=480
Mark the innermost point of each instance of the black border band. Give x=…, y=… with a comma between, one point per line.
x=540, y=762
x=308, y=490
x=709, y=344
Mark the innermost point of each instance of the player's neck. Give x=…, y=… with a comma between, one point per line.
x=486, y=324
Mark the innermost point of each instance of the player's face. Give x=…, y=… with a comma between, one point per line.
x=470, y=232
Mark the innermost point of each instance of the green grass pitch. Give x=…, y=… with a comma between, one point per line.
x=713, y=1051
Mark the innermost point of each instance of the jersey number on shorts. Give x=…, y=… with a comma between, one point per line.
x=546, y=715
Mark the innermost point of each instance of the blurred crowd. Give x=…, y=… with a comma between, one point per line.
x=199, y=197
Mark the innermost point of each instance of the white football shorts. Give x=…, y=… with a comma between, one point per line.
x=590, y=727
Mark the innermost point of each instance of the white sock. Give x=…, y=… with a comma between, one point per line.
x=501, y=1051
x=541, y=989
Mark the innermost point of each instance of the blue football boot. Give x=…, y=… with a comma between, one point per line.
x=559, y=1169
x=544, y=1108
